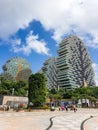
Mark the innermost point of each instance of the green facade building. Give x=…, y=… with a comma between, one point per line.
x=16, y=69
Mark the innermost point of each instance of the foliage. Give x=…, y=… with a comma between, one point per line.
x=6, y=87
x=54, y=94
x=20, y=88
x=37, y=89
x=38, y=92
x=76, y=93
x=53, y=91
x=44, y=107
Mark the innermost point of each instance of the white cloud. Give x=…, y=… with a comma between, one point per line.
x=90, y=42
x=61, y=16
x=15, y=42
x=32, y=43
x=95, y=66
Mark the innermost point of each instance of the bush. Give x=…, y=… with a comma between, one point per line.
x=40, y=107
x=21, y=105
x=44, y=107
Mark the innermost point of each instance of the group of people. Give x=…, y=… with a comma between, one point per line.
x=66, y=107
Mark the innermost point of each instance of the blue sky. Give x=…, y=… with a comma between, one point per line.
x=32, y=29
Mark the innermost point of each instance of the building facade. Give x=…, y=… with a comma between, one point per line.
x=74, y=64
x=50, y=72
x=16, y=69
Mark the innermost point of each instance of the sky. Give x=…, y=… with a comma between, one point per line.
x=32, y=29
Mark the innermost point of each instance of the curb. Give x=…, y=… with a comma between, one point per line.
x=51, y=123
x=82, y=125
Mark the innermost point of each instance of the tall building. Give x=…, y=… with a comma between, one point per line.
x=50, y=72
x=74, y=64
x=16, y=69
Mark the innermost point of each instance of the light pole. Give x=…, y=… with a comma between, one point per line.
x=13, y=91
x=27, y=93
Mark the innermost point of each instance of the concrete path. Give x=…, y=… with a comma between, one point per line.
x=91, y=124
x=62, y=120
x=73, y=121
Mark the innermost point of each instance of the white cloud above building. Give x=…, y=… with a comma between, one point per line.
x=79, y=16
x=32, y=43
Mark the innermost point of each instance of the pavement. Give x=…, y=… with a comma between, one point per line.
x=91, y=124
x=50, y=120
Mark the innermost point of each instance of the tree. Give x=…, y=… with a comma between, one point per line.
x=20, y=88
x=37, y=89
x=6, y=87
x=94, y=92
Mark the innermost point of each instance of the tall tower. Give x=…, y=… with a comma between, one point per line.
x=50, y=71
x=74, y=64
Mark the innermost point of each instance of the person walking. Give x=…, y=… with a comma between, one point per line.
x=66, y=107
x=75, y=109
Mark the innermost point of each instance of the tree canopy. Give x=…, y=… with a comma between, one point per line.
x=37, y=89
x=18, y=88
x=76, y=93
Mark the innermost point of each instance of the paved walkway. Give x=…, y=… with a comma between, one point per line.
x=62, y=120
x=73, y=121
x=91, y=124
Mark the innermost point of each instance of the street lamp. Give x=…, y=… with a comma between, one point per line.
x=13, y=91
x=27, y=93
